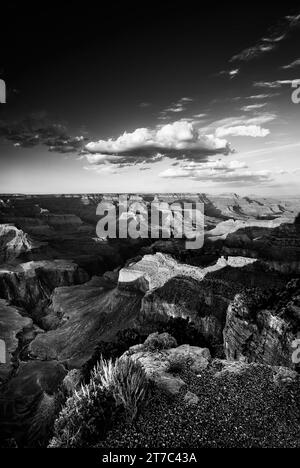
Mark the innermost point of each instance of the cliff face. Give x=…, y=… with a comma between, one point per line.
x=12, y=324
x=278, y=247
x=30, y=284
x=80, y=316
x=264, y=334
x=151, y=290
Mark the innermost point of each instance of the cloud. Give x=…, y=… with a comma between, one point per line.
x=200, y=116
x=254, y=52
x=294, y=64
x=176, y=107
x=253, y=131
x=37, y=129
x=179, y=140
x=252, y=107
x=274, y=84
x=267, y=44
x=232, y=172
x=263, y=96
x=230, y=73
x=260, y=118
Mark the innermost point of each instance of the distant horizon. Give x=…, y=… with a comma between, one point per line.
x=224, y=194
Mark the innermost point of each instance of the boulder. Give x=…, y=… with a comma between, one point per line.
x=158, y=363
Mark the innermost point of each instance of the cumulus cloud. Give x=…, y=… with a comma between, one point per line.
x=37, y=129
x=232, y=172
x=267, y=44
x=179, y=140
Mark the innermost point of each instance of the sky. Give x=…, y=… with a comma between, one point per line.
x=150, y=97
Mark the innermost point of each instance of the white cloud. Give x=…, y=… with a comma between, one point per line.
x=230, y=73
x=218, y=172
x=263, y=96
x=181, y=139
x=176, y=107
x=273, y=84
x=253, y=107
x=243, y=130
x=269, y=43
x=294, y=64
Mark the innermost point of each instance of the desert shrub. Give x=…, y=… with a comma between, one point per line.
x=115, y=391
x=112, y=350
x=157, y=341
x=131, y=386
x=85, y=418
x=126, y=379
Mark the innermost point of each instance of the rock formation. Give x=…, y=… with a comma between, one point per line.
x=30, y=284
x=264, y=330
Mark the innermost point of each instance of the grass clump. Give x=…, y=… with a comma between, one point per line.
x=115, y=393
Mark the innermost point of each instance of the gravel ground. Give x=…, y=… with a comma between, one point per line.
x=235, y=410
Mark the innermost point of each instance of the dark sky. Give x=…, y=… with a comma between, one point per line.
x=98, y=69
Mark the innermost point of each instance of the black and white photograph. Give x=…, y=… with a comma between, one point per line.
x=149, y=227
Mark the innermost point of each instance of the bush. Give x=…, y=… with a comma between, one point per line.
x=157, y=341
x=131, y=386
x=112, y=350
x=115, y=391
x=85, y=418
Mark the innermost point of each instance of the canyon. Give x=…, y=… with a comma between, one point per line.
x=63, y=290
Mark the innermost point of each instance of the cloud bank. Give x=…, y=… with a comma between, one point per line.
x=37, y=129
x=232, y=172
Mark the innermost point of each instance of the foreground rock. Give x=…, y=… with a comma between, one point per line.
x=160, y=364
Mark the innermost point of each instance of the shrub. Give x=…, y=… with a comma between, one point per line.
x=131, y=386
x=157, y=341
x=115, y=391
x=112, y=350
x=85, y=418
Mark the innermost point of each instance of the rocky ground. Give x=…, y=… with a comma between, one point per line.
x=241, y=407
